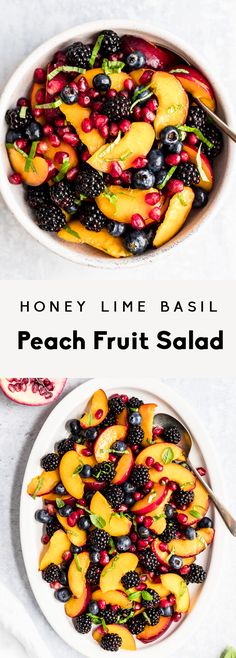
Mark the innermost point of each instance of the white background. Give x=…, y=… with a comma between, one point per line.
x=209, y=26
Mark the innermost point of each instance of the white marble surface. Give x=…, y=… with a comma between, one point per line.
x=19, y=425
x=209, y=27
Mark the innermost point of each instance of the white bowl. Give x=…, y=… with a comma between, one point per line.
x=53, y=430
x=19, y=84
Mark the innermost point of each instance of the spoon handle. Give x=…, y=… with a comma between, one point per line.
x=229, y=521
x=219, y=122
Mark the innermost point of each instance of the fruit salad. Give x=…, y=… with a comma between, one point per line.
x=111, y=146
x=124, y=522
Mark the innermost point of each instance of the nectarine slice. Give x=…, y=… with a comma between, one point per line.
x=114, y=597
x=122, y=418
x=93, y=484
x=163, y=556
x=53, y=553
x=206, y=166
x=179, y=588
x=74, y=606
x=115, y=569
x=37, y=86
x=117, y=79
x=177, y=473
x=158, y=515
x=66, y=148
x=139, y=139
x=124, y=467
x=128, y=641
x=175, y=217
x=97, y=410
x=120, y=204
x=196, y=85
x=198, y=508
x=75, y=114
x=191, y=547
x=76, y=573
x=70, y=465
x=37, y=173
x=151, y=500
x=43, y=483
x=75, y=535
x=147, y=411
x=115, y=525
x=172, y=101
x=151, y=633
x=159, y=588
x=77, y=233
x=106, y=439
x=159, y=452
x=84, y=458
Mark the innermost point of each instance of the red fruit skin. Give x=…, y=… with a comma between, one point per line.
x=156, y=58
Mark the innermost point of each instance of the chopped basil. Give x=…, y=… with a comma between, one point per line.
x=109, y=66
x=63, y=171
x=137, y=94
x=78, y=470
x=134, y=596
x=195, y=513
x=74, y=233
x=39, y=485
x=113, y=199
x=65, y=69
x=179, y=71
x=146, y=596
x=197, y=132
x=29, y=161
x=23, y=111
x=49, y=106
x=167, y=455
x=167, y=178
x=199, y=165
x=96, y=49
x=60, y=503
x=78, y=567
x=110, y=147
x=181, y=199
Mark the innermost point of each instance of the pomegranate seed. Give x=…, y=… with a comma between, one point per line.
x=173, y=159
x=97, y=106
x=164, y=603
x=81, y=501
x=141, y=587
x=59, y=157
x=72, y=139
x=140, y=518
x=104, y=558
x=72, y=174
x=114, y=129
x=174, y=186
x=54, y=140
x=137, y=606
x=67, y=555
x=164, y=481
x=80, y=513
x=151, y=199
x=132, y=548
x=126, y=177
x=201, y=471
x=152, y=104
x=176, y=616
x=125, y=125
x=142, y=543
x=41, y=148
x=111, y=93
x=39, y=75
x=124, y=93
x=63, y=130
x=147, y=115
x=87, y=125
x=21, y=143
x=82, y=84
x=147, y=521
x=56, y=585
x=157, y=431
x=86, y=452
x=124, y=398
x=137, y=495
x=15, y=179
x=85, y=155
x=40, y=96
x=137, y=222
x=163, y=568
x=102, y=604
x=185, y=569
x=148, y=485
x=172, y=486
x=137, y=112
x=71, y=520
x=60, y=57
x=115, y=169
x=172, y=599
x=145, y=77
x=23, y=102
x=135, y=448
x=115, y=608
x=163, y=547
x=99, y=414
x=129, y=84
x=37, y=113
x=84, y=100
x=47, y=129
x=51, y=509
x=139, y=162
x=155, y=214
x=143, y=577
x=104, y=131
x=156, y=579
x=182, y=518
x=133, y=536
x=184, y=156
x=123, y=508
x=45, y=539
x=112, y=458
x=93, y=93
x=51, y=169
x=192, y=139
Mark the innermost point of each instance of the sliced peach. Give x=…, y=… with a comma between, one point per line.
x=51, y=497
x=37, y=86
x=43, y=483
x=76, y=573
x=158, y=515
x=75, y=535
x=197, y=85
x=71, y=479
x=74, y=606
x=158, y=451
x=206, y=166
x=122, y=203
x=151, y=500
x=84, y=458
x=124, y=467
x=114, y=597
x=178, y=587
x=38, y=172
x=163, y=556
x=66, y=148
x=198, y=508
x=151, y=633
x=122, y=418
x=177, y=473
x=139, y=139
x=97, y=410
x=112, y=573
x=75, y=114
x=147, y=411
x=53, y=553
x=114, y=525
x=128, y=641
x=106, y=439
x=77, y=233
x=117, y=79
x=175, y=217
x=93, y=484
x=191, y=547
x=159, y=588
x=172, y=101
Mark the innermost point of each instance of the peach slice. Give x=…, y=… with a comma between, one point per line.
x=75, y=114
x=106, y=439
x=191, y=547
x=75, y=535
x=58, y=544
x=112, y=573
x=115, y=525
x=66, y=148
x=159, y=588
x=138, y=140
x=37, y=86
x=158, y=515
x=76, y=573
x=43, y=483
x=172, y=101
x=122, y=418
x=198, y=508
x=117, y=79
x=176, y=473
x=51, y=497
x=76, y=232
x=93, y=484
x=179, y=588
x=69, y=465
x=84, y=458
x=151, y=500
x=128, y=641
x=124, y=467
x=163, y=556
x=159, y=451
x=147, y=411
x=197, y=85
x=74, y=606
x=120, y=204
x=206, y=166
x=175, y=217
x=151, y=633
x=38, y=172
x=97, y=410
x=114, y=597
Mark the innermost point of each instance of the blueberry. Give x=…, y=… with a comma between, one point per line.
x=93, y=608
x=169, y=135
x=91, y=433
x=34, y=131
x=74, y=424
x=60, y=489
x=160, y=176
x=136, y=242
x=205, y=523
x=95, y=557
x=129, y=488
x=170, y=511
x=190, y=533
x=119, y=446
x=150, y=235
x=43, y=516
x=135, y=60
x=156, y=160
x=129, y=500
x=143, y=94
x=135, y=418
x=66, y=510
x=75, y=550
x=123, y=543
x=72, y=208
x=116, y=228
x=175, y=562
x=201, y=198
x=84, y=523
x=167, y=612
x=13, y=135
x=63, y=580
x=86, y=472
x=175, y=148
x=143, y=179
x=101, y=82
x=88, y=496
x=143, y=532
x=62, y=594
x=69, y=95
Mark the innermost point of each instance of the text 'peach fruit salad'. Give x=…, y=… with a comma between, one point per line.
x=111, y=146
x=124, y=521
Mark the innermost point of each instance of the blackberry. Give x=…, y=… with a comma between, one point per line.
x=50, y=462
x=182, y=498
x=116, y=405
x=109, y=420
x=104, y=472
x=111, y=43
x=115, y=496
x=215, y=137
x=188, y=173
x=111, y=642
x=99, y=539
x=196, y=117
x=65, y=445
x=15, y=122
x=50, y=218
x=52, y=527
x=136, y=624
x=93, y=574
x=172, y=434
x=89, y=182
x=78, y=54
x=148, y=560
x=196, y=574
x=154, y=602
x=135, y=435
x=62, y=194
x=82, y=623
x=91, y=217
x=110, y=616
x=169, y=533
x=51, y=573
x=139, y=476
x=37, y=196
x=117, y=108
x=152, y=615
x=134, y=403
x=130, y=579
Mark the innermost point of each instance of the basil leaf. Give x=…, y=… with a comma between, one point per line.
x=78, y=567
x=195, y=514
x=146, y=596
x=168, y=176
x=65, y=69
x=78, y=470
x=30, y=157
x=74, y=233
x=63, y=171
x=134, y=596
x=96, y=49
x=199, y=165
x=109, y=66
x=167, y=456
x=97, y=521
x=60, y=503
x=39, y=485
x=181, y=199
x=197, y=132
x=49, y=106
x=179, y=71
x=23, y=111
x=230, y=652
